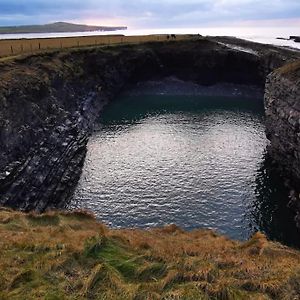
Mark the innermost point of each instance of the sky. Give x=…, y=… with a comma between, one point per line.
x=152, y=13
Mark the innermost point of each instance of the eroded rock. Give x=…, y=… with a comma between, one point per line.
x=49, y=102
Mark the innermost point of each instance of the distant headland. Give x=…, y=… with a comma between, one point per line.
x=294, y=38
x=57, y=27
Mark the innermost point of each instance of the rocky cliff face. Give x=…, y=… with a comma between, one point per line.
x=48, y=106
x=49, y=102
x=282, y=103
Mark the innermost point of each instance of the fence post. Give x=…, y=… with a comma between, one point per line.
x=11, y=49
x=77, y=43
x=39, y=46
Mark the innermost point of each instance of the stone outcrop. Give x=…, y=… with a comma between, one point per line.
x=48, y=106
x=49, y=102
x=282, y=104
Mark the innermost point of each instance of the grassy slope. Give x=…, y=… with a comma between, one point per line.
x=71, y=256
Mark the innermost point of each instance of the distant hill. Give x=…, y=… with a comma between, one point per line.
x=56, y=27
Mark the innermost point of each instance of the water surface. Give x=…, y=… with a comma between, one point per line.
x=264, y=35
x=193, y=160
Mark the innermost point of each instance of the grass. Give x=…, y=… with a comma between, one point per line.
x=290, y=69
x=13, y=48
x=69, y=255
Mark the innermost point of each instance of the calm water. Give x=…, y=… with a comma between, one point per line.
x=196, y=161
x=265, y=35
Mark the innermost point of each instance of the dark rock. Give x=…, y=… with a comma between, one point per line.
x=282, y=38
x=48, y=105
x=293, y=37
x=282, y=104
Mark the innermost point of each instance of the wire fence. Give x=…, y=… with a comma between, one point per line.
x=25, y=46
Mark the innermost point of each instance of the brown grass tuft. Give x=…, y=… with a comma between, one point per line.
x=69, y=255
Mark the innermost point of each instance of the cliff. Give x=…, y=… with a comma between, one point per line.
x=282, y=104
x=84, y=259
x=49, y=101
x=48, y=105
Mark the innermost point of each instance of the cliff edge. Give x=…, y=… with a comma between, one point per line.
x=49, y=102
x=84, y=259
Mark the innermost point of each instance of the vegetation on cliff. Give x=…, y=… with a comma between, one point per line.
x=292, y=70
x=60, y=255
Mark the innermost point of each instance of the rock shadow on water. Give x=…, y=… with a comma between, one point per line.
x=269, y=213
x=262, y=196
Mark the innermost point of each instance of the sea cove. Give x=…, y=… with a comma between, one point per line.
x=191, y=160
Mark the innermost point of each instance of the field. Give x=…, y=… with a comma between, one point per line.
x=61, y=255
x=26, y=46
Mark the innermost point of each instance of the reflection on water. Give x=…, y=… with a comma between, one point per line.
x=195, y=161
x=268, y=212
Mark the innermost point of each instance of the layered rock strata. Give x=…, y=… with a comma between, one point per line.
x=282, y=105
x=49, y=103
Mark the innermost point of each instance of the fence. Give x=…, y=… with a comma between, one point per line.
x=25, y=46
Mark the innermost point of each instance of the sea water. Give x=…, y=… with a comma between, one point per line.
x=194, y=160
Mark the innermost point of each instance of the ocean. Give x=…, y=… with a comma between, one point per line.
x=265, y=35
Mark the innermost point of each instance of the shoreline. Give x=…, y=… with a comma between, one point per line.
x=43, y=147
x=65, y=91
x=62, y=92
x=16, y=47
x=263, y=35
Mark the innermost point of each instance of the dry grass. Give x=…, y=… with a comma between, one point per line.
x=26, y=46
x=61, y=255
x=290, y=69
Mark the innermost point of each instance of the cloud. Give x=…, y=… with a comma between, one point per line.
x=150, y=13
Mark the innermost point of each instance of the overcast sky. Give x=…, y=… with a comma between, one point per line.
x=152, y=13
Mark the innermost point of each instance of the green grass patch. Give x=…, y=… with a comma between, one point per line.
x=22, y=278
x=114, y=254
x=152, y=272
x=43, y=220
x=91, y=261
x=14, y=226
